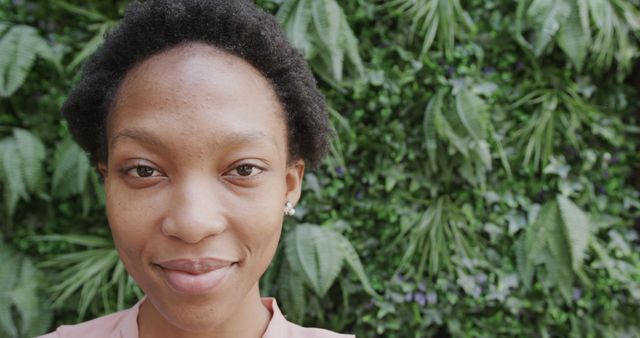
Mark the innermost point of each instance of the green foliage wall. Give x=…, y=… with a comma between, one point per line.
x=483, y=180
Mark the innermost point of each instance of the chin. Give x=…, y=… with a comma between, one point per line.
x=196, y=317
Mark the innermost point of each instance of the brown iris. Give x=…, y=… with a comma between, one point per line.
x=144, y=171
x=245, y=170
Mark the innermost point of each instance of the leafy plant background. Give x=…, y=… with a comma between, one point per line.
x=483, y=180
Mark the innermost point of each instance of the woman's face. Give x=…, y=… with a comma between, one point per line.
x=196, y=181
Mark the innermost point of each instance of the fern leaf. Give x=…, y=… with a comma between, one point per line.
x=32, y=153
x=350, y=44
x=327, y=22
x=297, y=26
x=320, y=30
x=3, y=26
x=71, y=170
x=8, y=278
x=19, y=290
x=14, y=187
x=284, y=11
x=435, y=20
x=547, y=15
x=19, y=48
x=26, y=299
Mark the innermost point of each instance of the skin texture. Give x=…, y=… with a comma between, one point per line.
x=195, y=120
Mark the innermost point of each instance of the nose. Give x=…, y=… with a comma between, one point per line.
x=197, y=212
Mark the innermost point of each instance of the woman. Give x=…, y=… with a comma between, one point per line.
x=201, y=119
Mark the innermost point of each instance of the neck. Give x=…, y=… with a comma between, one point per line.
x=250, y=320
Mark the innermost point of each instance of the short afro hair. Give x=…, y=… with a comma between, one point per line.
x=237, y=27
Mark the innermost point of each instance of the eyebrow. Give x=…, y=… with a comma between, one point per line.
x=150, y=138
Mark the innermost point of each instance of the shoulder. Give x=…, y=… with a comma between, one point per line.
x=279, y=327
x=119, y=324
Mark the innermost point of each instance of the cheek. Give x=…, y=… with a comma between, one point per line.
x=262, y=222
x=131, y=218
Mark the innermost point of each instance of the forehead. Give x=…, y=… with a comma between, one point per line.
x=199, y=90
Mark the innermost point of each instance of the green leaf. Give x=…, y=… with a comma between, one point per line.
x=4, y=26
x=349, y=43
x=11, y=176
x=321, y=31
x=547, y=16
x=574, y=37
x=326, y=19
x=435, y=21
x=22, y=313
x=446, y=132
x=558, y=238
x=32, y=154
x=9, y=276
x=434, y=108
x=91, y=46
x=291, y=292
x=469, y=108
x=312, y=252
x=19, y=48
x=353, y=261
x=576, y=226
x=295, y=18
x=71, y=170
x=87, y=274
x=84, y=240
x=535, y=242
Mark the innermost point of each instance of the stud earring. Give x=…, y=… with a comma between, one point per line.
x=289, y=210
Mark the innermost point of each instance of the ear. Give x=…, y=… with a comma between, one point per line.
x=295, y=173
x=102, y=168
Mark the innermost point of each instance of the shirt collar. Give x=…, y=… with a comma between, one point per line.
x=277, y=327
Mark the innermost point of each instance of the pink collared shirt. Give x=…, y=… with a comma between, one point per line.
x=124, y=324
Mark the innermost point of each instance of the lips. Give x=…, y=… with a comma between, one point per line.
x=195, y=276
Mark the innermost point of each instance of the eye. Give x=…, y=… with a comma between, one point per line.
x=143, y=171
x=245, y=170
